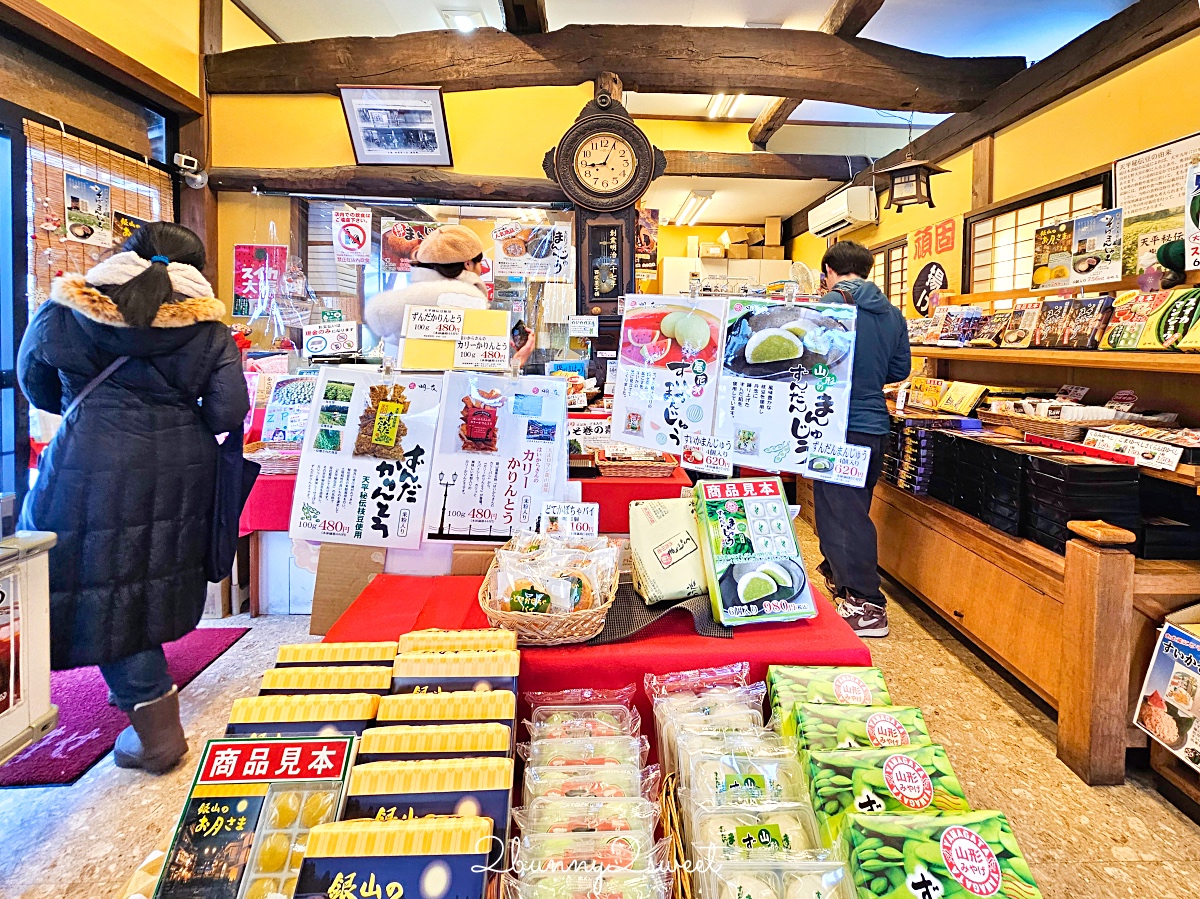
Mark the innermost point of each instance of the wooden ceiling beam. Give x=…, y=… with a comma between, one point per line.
x=525, y=16
x=786, y=166
x=1126, y=37
x=660, y=58
x=846, y=18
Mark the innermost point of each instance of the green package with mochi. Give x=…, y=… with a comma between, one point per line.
x=900, y=780
x=822, y=726
x=936, y=857
x=788, y=685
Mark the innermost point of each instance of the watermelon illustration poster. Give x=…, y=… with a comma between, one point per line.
x=667, y=370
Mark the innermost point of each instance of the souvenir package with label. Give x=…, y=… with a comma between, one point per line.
x=751, y=557
x=917, y=328
x=951, y=856
x=1052, y=323
x=494, y=706
x=732, y=779
x=721, y=710
x=434, y=640
x=246, y=821
x=1088, y=318
x=407, y=742
x=747, y=741
x=1025, y=315
x=664, y=547
x=576, y=751
x=991, y=330
x=583, y=713
x=1128, y=325
x=937, y=321
x=817, y=878
x=617, y=815
x=779, y=829
x=390, y=859
x=1166, y=329
x=823, y=727
x=318, y=713
x=961, y=325
x=901, y=780
x=450, y=672
x=310, y=654
x=789, y=685
x=327, y=679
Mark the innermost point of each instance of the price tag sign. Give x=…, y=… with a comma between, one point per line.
x=610, y=378
x=1123, y=400
x=571, y=519
x=711, y=455
x=481, y=353
x=838, y=463
x=758, y=836
x=606, y=354
x=1072, y=393
x=1147, y=453
x=583, y=326
x=433, y=323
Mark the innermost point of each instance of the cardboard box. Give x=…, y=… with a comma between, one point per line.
x=712, y=251
x=1170, y=699
x=770, y=252
x=693, y=246
x=774, y=229
x=343, y=572
x=757, y=235
x=738, y=251
x=219, y=602
x=755, y=253
x=734, y=235
x=471, y=559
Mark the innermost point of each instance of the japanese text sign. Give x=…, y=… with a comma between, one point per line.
x=254, y=761
x=433, y=323
x=571, y=519
x=839, y=463
x=352, y=236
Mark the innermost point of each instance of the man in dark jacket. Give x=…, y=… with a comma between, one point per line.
x=843, y=514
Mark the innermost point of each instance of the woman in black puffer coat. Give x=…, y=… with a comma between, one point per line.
x=128, y=481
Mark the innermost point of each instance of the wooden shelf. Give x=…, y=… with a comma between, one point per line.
x=992, y=296
x=1163, y=362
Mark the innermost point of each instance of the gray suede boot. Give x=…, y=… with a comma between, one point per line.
x=154, y=740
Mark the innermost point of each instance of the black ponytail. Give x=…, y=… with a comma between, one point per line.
x=138, y=298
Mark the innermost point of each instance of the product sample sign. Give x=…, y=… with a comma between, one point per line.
x=1150, y=190
x=785, y=380
x=329, y=338
x=258, y=271
x=365, y=467
x=399, y=242
x=500, y=452
x=352, y=236
x=88, y=210
x=668, y=362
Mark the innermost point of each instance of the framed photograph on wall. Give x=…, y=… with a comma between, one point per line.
x=397, y=125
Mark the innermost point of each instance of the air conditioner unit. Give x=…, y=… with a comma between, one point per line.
x=849, y=208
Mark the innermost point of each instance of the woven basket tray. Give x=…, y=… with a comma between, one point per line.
x=545, y=628
x=636, y=469
x=1071, y=431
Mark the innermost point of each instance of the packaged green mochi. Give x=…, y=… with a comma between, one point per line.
x=788, y=685
x=902, y=780
x=928, y=857
x=822, y=726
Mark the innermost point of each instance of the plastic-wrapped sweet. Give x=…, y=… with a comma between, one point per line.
x=779, y=829
x=587, y=751
x=548, y=815
x=752, y=741
x=600, y=782
x=560, y=722
x=731, y=719
x=609, y=884
x=747, y=886
x=720, y=828
x=814, y=877
x=273, y=852
x=583, y=852
x=814, y=884
x=297, y=855
x=284, y=810
x=747, y=780
x=289, y=887
x=318, y=809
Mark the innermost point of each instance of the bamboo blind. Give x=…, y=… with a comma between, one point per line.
x=138, y=189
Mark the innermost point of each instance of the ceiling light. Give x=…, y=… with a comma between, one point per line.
x=463, y=20
x=721, y=106
x=689, y=212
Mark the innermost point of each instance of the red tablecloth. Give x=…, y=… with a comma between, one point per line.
x=615, y=494
x=396, y=604
x=269, y=506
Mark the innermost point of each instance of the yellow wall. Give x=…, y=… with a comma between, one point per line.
x=238, y=31
x=246, y=218
x=165, y=36
x=715, y=137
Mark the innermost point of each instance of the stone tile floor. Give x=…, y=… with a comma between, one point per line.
x=86, y=839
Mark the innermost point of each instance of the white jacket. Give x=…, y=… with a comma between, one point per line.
x=385, y=311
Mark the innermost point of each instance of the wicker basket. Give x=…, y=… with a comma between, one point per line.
x=545, y=628
x=1071, y=431
x=640, y=468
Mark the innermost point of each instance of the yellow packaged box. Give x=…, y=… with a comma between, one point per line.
x=390, y=859
x=499, y=706
x=434, y=640
x=406, y=742
x=247, y=820
x=450, y=672
x=308, y=654
x=318, y=713
x=302, y=680
x=664, y=547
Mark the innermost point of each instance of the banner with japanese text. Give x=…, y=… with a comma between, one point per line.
x=1151, y=189
x=365, y=466
x=934, y=264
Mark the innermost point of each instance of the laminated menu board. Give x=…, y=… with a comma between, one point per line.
x=501, y=452
x=286, y=418
x=1131, y=313
x=785, y=380
x=751, y=558
x=668, y=362
x=1025, y=315
x=249, y=813
x=366, y=463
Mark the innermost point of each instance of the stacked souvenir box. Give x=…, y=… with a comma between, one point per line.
x=908, y=458
x=1063, y=487
x=997, y=465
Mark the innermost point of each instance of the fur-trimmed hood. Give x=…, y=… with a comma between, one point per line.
x=74, y=292
x=385, y=311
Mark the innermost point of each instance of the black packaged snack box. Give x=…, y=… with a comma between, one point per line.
x=1081, y=468
x=1040, y=483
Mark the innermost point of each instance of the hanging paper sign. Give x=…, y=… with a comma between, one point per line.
x=1191, y=225
x=785, y=381
x=668, y=361
x=539, y=252
x=1096, y=257
x=352, y=236
x=481, y=353
x=399, y=242
x=645, y=245
x=257, y=273
x=710, y=455
x=934, y=264
x=585, y=433
x=1052, y=256
x=365, y=465
x=501, y=451
x=330, y=338
x=433, y=323
x=88, y=210
x=583, y=326
x=123, y=227
x=839, y=463
x=571, y=519
x=1150, y=189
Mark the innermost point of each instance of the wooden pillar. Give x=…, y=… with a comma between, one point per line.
x=1094, y=674
x=198, y=206
x=982, y=166
x=608, y=89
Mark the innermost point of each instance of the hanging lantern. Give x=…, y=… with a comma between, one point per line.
x=910, y=183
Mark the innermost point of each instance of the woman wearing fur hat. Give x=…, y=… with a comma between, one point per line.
x=137, y=346
x=446, y=273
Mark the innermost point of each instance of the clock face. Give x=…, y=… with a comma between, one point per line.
x=605, y=162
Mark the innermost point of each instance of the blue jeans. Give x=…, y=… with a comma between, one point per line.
x=141, y=677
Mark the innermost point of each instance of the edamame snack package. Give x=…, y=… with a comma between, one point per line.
x=904, y=780
x=823, y=727
x=789, y=685
x=950, y=857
